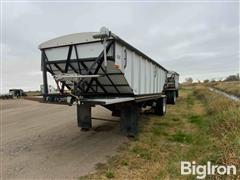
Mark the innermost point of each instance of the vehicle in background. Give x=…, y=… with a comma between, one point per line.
x=171, y=87
x=16, y=93
x=13, y=93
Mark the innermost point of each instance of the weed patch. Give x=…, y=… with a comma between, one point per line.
x=201, y=127
x=199, y=121
x=141, y=152
x=109, y=174
x=181, y=137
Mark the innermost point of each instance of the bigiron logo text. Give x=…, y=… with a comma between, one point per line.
x=201, y=171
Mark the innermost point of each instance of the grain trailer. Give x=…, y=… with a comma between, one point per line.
x=171, y=87
x=100, y=68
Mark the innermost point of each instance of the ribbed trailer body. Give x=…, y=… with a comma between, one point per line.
x=143, y=75
x=129, y=72
x=106, y=71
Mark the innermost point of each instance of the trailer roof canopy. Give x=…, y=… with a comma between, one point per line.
x=69, y=39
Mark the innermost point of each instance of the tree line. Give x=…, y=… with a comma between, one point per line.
x=229, y=78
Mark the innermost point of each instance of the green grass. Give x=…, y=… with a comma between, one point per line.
x=181, y=137
x=200, y=121
x=141, y=152
x=201, y=127
x=124, y=162
x=33, y=93
x=109, y=174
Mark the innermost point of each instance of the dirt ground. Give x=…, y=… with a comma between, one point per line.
x=42, y=141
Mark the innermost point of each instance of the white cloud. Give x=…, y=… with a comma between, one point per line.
x=195, y=39
x=13, y=11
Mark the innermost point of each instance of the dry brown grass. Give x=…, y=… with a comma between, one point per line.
x=200, y=127
x=225, y=125
x=231, y=87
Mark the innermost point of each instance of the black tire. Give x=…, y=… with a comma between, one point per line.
x=171, y=97
x=176, y=93
x=160, y=108
x=85, y=129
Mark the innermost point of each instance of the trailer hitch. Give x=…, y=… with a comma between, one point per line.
x=75, y=79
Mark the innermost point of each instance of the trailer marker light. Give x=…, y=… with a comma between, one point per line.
x=117, y=66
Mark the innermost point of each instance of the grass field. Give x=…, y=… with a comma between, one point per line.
x=201, y=127
x=231, y=87
x=33, y=93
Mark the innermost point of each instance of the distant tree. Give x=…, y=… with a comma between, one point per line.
x=189, y=80
x=206, y=81
x=233, y=77
x=213, y=80
x=220, y=79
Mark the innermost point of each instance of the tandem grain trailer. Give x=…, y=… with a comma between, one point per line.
x=171, y=87
x=99, y=68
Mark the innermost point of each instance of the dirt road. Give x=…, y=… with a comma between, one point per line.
x=42, y=141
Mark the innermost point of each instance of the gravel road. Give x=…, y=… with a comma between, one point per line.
x=42, y=141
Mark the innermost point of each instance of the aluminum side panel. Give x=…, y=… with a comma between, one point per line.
x=143, y=76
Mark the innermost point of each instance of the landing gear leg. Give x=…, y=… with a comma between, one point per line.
x=84, y=116
x=129, y=119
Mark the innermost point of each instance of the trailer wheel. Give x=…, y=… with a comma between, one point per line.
x=171, y=97
x=160, y=108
